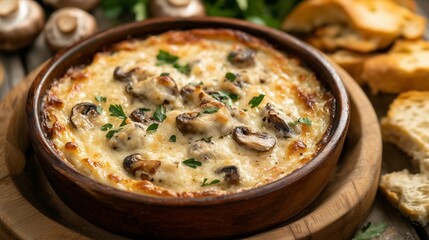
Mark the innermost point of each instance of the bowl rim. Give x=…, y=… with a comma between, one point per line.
x=50, y=155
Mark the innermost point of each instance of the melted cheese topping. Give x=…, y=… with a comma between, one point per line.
x=291, y=91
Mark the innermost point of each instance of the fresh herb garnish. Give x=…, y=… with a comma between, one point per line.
x=225, y=97
x=100, y=98
x=99, y=109
x=144, y=109
x=192, y=163
x=166, y=57
x=112, y=132
x=205, y=183
x=255, y=101
x=305, y=121
x=106, y=126
x=152, y=128
x=165, y=74
x=117, y=111
x=369, y=231
x=207, y=139
x=172, y=138
x=159, y=114
x=210, y=110
x=230, y=76
x=185, y=69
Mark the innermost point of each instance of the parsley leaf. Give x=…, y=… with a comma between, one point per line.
x=225, y=97
x=192, y=163
x=305, y=121
x=112, y=132
x=210, y=110
x=159, y=114
x=152, y=128
x=185, y=69
x=255, y=101
x=144, y=109
x=106, y=126
x=205, y=183
x=99, y=109
x=230, y=76
x=166, y=57
x=117, y=111
x=172, y=138
x=207, y=139
x=165, y=74
x=100, y=98
x=369, y=231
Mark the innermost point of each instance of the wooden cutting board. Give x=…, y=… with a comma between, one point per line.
x=29, y=209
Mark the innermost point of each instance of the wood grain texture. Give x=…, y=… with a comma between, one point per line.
x=1, y=74
x=30, y=209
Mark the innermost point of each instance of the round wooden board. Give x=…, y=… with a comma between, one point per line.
x=29, y=209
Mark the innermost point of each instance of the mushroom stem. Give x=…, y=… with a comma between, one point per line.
x=66, y=23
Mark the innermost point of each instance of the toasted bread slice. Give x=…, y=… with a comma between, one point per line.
x=374, y=24
x=352, y=62
x=410, y=4
x=405, y=67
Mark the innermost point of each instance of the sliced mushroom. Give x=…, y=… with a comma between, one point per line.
x=67, y=26
x=176, y=8
x=135, y=165
x=20, y=23
x=257, y=141
x=139, y=116
x=82, y=4
x=242, y=57
x=232, y=177
x=130, y=137
x=83, y=115
x=273, y=120
x=158, y=90
x=203, y=150
x=120, y=75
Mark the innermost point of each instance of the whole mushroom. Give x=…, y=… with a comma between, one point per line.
x=20, y=23
x=176, y=8
x=86, y=5
x=67, y=26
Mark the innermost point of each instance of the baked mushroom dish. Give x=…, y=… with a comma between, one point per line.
x=194, y=113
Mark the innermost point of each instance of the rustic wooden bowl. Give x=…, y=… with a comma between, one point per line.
x=238, y=214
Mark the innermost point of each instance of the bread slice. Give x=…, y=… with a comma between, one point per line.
x=405, y=67
x=407, y=126
x=374, y=24
x=410, y=4
x=352, y=62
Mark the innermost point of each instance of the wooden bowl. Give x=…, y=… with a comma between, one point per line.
x=238, y=214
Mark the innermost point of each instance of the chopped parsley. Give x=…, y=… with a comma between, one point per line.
x=230, y=76
x=112, y=132
x=117, y=111
x=152, y=128
x=172, y=138
x=192, y=163
x=165, y=74
x=210, y=110
x=144, y=109
x=185, y=69
x=225, y=97
x=100, y=98
x=159, y=114
x=370, y=230
x=106, y=126
x=255, y=101
x=207, y=139
x=99, y=109
x=305, y=121
x=205, y=183
x=166, y=57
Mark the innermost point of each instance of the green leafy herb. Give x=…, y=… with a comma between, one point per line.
x=207, y=139
x=305, y=121
x=210, y=110
x=369, y=231
x=165, y=74
x=117, y=111
x=185, y=69
x=152, y=128
x=225, y=97
x=255, y=101
x=144, y=109
x=159, y=114
x=115, y=8
x=192, y=163
x=112, y=132
x=100, y=98
x=99, y=109
x=205, y=183
x=230, y=76
x=166, y=57
x=140, y=10
x=172, y=138
x=106, y=126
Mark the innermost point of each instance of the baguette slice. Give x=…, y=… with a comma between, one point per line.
x=352, y=62
x=405, y=67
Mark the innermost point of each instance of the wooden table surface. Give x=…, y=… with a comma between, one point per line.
x=17, y=65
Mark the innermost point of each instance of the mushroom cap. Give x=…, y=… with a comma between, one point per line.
x=81, y=4
x=68, y=26
x=176, y=8
x=20, y=23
